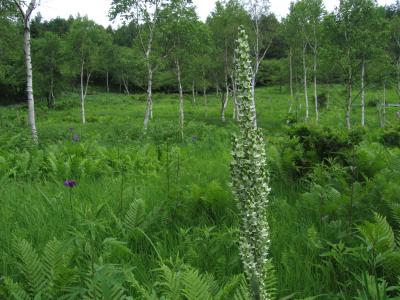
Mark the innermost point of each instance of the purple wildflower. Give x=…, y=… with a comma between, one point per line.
x=70, y=183
x=76, y=138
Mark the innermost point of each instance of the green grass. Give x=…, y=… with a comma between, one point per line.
x=184, y=211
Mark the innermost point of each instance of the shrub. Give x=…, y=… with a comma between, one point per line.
x=322, y=100
x=391, y=136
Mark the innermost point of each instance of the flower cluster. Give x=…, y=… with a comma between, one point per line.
x=250, y=179
x=70, y=183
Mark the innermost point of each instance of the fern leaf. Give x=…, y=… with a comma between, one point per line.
x=170, y=282
x=378, y=235
x=242, y=292
x=227, y=291
x=52, y=258
x=195, y=286
x=134, y=217
x=144, y=294
x=31, y=266
x=271, y=281
x=15, y=290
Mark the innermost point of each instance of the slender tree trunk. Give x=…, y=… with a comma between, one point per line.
x=194, y=92
x=218, y=92
x=291, y=79
x=235, y=101
x=205, y=95
x=350, y=96
x=224, y=99
x=108, y=84
x=383, y=119
x=82, y=93
x=29, y=81
x=181, y=104
x=253, y=95
x=125, y=84
x=363, y=94
x=149, y=106
x=315, y=88
x=305, y=80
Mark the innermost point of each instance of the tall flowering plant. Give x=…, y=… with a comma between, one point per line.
x=250, y=179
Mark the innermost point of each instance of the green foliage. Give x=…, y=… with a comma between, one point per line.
x=145, y=202
x=391, y=136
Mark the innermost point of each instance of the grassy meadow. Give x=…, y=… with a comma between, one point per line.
x=152, y=216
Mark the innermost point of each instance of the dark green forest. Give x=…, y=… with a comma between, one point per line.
x=373, y=34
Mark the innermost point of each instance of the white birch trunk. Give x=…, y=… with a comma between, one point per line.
x=350, y=97
x=363, y=94
x=82, y=93
x=149, y=105
x=315, y=88
x=305, y=80
x=205, y=95
x=84, y=90
x=291, y=79
x=194, y=92
x=235, y=115
x=224, y=99
x=181, y=104
x=29, y=78
x=125, y=81
x=383, y=120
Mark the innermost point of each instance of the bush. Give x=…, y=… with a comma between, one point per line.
x=373, y=102
x=322, y=100
x=322, y=144
x=391, y=136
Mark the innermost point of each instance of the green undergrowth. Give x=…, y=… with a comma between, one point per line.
x=152, y=215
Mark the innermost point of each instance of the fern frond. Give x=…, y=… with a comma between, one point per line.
x=271, y=281
x=52, y=258
x=395, y=212
x=15, y=290
x=170, y=282
x=31, y=266
x=105, y=283
x=227, y=291
x=378, y=235
x=242, y=292
x=143, y=292
x=195, y=286
x=135, y=216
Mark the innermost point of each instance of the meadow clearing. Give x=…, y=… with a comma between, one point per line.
x=152, y=215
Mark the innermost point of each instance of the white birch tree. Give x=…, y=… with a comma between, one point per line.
x=145, y=13
x=262, y=40
x=83, y=44
x=184, y=35
x=224, y=21
x=25, y=10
